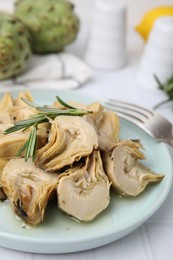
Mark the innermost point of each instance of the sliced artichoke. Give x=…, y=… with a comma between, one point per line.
x=83, y=192
x=128, y=176
x=10, y=144
x=108, y=130
x=15, y=110
x=21, y=110
x=6, y=102
x=107, y=127
x=5, y=118
x=28, y=189
x=4, y=126
x=70, y=139
x=3, y=162
x=19, y=102
x=105, y=123
x=2, y=194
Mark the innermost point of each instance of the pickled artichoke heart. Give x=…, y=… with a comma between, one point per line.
x=70, y=139
x=11, y=143
x=6, y=102
x=20, y=110
x=3, y=127
x=128, y=176
x=28, y=189
x=3, y=162
x=107, y=127
x=51, y=23
x=83, y=192
x=105, y=123
x=2, y=194
x=21, y=113
x=5, y=118
x=15, y=110
x=19, y=102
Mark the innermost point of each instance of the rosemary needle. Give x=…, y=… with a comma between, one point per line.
x=45, y=114
x=167, y=88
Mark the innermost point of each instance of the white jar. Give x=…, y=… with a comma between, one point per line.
x=157, y=58
x=106, y=48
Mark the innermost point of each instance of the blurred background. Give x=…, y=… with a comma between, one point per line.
x=136, y=8
x=84, y=9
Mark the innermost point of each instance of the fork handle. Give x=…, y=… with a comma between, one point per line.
x=169, y=140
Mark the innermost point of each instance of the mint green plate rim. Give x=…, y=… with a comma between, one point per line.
x=61, y=234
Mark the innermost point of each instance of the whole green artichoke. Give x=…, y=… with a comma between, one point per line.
x=52, y=23
x=14, y=46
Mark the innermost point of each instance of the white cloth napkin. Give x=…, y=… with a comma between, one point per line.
x=61, y=71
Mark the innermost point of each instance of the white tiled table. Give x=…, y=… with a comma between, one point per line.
x=154, y=239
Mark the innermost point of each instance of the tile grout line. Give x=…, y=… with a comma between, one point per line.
x=146, y=243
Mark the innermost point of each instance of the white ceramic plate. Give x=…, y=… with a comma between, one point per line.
x=61, y=234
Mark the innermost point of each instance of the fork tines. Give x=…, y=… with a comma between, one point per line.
x=126, y=110
x=150, y=121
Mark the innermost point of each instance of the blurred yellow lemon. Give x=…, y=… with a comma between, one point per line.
x=149, y=18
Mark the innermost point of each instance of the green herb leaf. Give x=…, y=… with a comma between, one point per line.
x=64, y=103
x=46, y=113
x=14, y=128
x=31, y=144
x=22, y=149
x=30, y=103
x=159, y=83
x=167, y=86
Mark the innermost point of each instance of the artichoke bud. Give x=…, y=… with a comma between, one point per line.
x=51, y=8
x=14, y=46
x=50, y=18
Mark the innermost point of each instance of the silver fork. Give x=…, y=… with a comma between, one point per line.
x=149, y=120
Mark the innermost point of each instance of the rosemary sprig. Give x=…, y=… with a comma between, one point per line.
x=46, y=113
x=30, y=146
x=166, y=87
x=63, y=103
